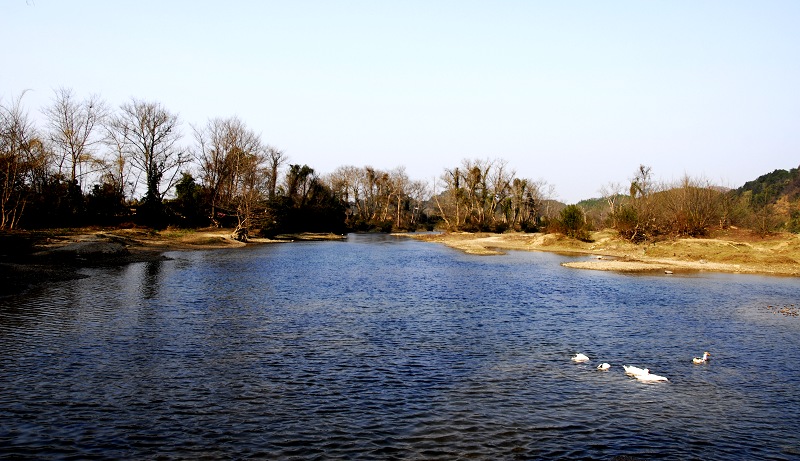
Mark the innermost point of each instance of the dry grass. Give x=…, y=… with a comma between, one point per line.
x=145, y=239
x=733, y=250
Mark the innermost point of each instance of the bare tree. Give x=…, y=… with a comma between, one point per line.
x=232, y=160
x=638, y=221
x=612, y=194
x=499, y=189
x=399, y=184
x=642, y=182
x=476, y=196
x=417, y=193
x=733, y=209
x=251, y=179
x=344, y=182
x=73, y=132
x=521, y=205
x=117, y=169
x=275, y=159
x=485, y=195
x=149, y=137
x=448, y=202
x=378, y=199
x=21, y=154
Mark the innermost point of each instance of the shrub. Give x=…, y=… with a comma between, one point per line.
x=627, y=220
x=573, y=223
x=794, y=222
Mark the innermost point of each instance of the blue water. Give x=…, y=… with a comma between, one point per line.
x=388, y=348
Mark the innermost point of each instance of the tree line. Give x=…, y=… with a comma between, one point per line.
x=692, y=207
x=92, y=164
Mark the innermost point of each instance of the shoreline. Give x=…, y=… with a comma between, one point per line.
x=733, y=251
x=32, y=258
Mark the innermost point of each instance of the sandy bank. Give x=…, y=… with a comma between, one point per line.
x=32, y=258
x=107, y=243
x=733, y=251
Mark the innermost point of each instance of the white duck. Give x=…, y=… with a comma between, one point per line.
x=579, y=358
x=643, y=374
x=635, y=371
x=703, y=359
x=603, y=366
x=649, y=377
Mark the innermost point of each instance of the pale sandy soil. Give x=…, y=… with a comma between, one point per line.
x=30, y=258
x=735, y=251
x=146, y=240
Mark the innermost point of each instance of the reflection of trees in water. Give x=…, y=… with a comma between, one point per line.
x=151, y=282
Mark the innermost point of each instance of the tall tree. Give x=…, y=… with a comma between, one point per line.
x=117, y=171
x=376, y=199
x=308, y=204
x=22, y=154
x=232, y=159
x=344, y=182
x=613, y=196
x=149, y=135
x=418, y=193
x=73, y=131
x=485, y=195
x=449, y=201
x=638, y=220
x=275, y=159
x=642, y=182
x=521, y=205
x=299, y=182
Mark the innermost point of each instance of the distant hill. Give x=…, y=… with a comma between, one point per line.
x=768, y=188
x=768, y=203
x=591, y=203
x=772, y=187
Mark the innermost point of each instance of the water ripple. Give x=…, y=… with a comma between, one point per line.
x=394, y=350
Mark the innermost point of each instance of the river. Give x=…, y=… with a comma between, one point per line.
x=381, y=347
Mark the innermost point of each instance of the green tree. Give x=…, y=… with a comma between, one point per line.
x=105, y=204
x=573, y=222
x=189, y=204
x=304, y=204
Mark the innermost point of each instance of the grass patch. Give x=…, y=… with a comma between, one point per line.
x=177, y=233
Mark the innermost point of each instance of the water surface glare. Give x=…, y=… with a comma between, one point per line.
x=387, y=348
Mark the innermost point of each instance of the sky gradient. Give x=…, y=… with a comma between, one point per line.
x=576, y=93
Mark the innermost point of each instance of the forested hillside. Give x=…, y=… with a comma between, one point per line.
x=775, y=199
x=773, y=187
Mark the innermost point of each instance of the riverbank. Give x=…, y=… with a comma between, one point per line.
x=136, y=241
x=30, y=258
x=732, y=250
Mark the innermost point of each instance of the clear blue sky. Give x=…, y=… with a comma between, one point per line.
x=578, y=93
